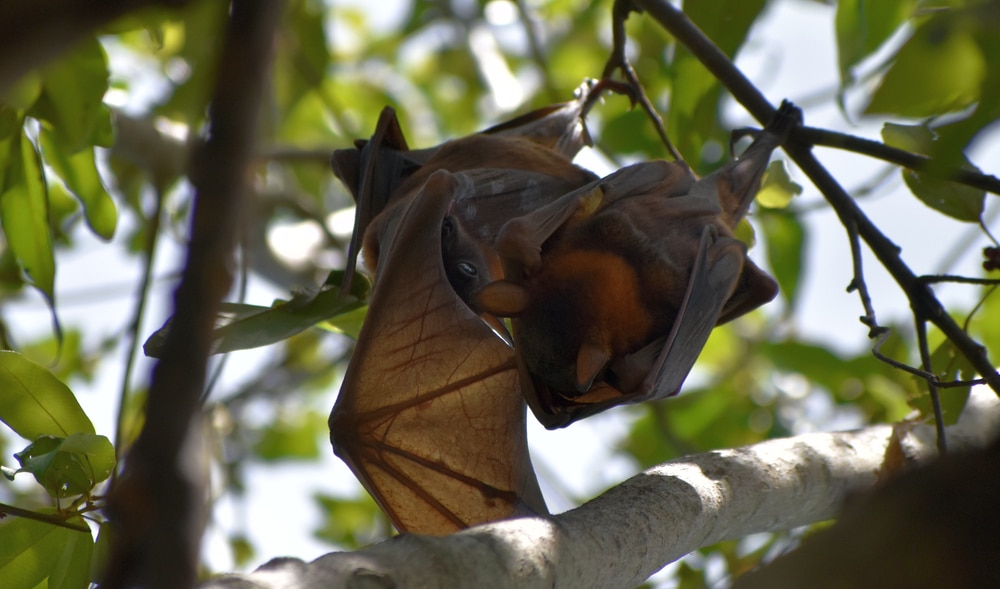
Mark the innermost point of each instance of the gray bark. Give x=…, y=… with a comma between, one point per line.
x=626, y=534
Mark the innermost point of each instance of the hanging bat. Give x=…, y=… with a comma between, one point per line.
x=430, y=416
x=615, y=287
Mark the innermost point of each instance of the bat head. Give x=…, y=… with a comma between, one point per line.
x=468, y=263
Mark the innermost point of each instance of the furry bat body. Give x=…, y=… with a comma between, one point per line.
x=430, y=416
x=615, y=287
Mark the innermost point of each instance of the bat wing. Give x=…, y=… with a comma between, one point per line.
x=430, y=417
x=754, y=289
x=658, y=370
x=716, y=272
x=520, y=241
x=372, y=171
x=560, y=127
x=735, y=185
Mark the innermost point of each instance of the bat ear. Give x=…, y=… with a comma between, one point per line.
x=502, y=298
x=441, y=181
x=590, y=361
x=346, y=164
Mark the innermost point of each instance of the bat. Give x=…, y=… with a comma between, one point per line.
x=615, y=287
x=430, y=417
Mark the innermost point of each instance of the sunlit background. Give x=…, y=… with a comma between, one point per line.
x=267, y=505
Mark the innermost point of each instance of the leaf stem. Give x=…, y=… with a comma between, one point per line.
x=47, y=518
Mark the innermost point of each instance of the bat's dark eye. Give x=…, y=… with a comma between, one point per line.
x=468, y=269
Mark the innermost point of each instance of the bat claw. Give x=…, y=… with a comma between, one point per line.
x=786, y=118
x=515, y=243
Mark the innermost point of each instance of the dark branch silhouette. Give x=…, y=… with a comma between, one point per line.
x=925, y=305
x=156, y=506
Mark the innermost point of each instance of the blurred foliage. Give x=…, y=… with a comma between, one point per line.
x=94, y=146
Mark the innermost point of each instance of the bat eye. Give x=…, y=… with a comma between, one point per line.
x=468, y=269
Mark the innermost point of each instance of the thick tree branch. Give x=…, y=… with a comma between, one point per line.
x=925, y=305
x=622, y=537
x=156, y=506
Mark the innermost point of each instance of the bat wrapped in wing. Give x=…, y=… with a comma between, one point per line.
x=615, y=287
x=430, y=416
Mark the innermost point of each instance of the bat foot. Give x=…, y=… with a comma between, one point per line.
x=787, y=118
x=516, y=243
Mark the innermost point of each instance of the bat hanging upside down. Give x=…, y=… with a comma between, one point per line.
x=430, y=417
x=615, y=287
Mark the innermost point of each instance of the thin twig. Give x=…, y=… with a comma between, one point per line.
x=925, y=361
x=135, y=324
x=47, y=518
x=906, y=159
x=921, y=298
x=938, y=278
x=618, y=61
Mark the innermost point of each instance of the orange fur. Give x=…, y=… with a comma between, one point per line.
x=610, y=292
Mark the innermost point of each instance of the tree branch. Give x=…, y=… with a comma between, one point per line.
x=49, y=518
x=622, y=537
x=922, y=299
x=156, y=506
x=900, y=157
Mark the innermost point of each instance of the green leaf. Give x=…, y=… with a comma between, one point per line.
x=694, y=101
x=102, y=551
x=348, y=323
x=34, y=403
x=939, y=70
x=242, y=550
x=985, y=324
x=629, y=131
x=349, y=522
x=862, y=26
x=72, y=94
x=33, y=551
x=786, y=238
x=250, y=326
x=303, y=57
x=62, y=207
x=24, y=213
x=79, y=172
x=777, y=188
x=11, y=122
x=949, y=364
x=67, y=467
x=915, y=138
x=292, y=437
x=958, y=201
x=23, y=93
x=72, y=570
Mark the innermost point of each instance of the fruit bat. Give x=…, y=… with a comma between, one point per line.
x=615, y=287
x=430, y=416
